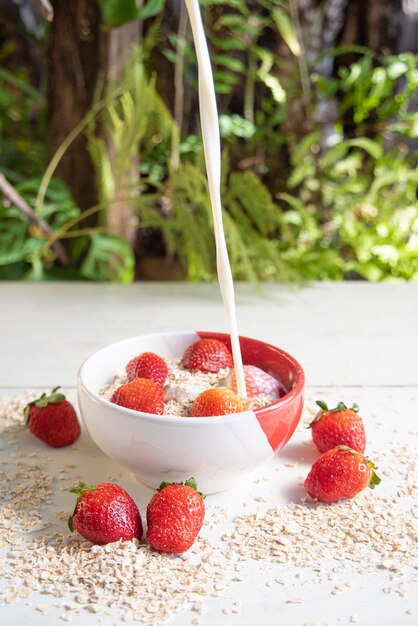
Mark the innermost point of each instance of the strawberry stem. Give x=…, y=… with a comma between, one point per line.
x=322, y=405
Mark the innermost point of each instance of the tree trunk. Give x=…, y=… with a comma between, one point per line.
x=81, y=53
x=374, y=23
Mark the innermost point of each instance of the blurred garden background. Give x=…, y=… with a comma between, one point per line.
x=101, y=165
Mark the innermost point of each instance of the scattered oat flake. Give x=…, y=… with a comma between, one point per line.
x=370, y=533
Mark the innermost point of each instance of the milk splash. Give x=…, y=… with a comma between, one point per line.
x=212, y=150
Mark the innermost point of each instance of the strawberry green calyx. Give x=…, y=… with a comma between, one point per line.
x=375, y=479
x=80, y=490
x=190, y=482
x=44, y=400
x=165, y=483
x=340, y=407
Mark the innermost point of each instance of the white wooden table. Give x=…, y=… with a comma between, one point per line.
x=357, y=342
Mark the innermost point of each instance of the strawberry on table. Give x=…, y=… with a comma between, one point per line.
x=340, y=473
x=141, y=394
x=217, y=401
x=338, y=426
x=257, y=382
x=105, y=513
x=207, y=355
x=53, y=419
x=147, y=365
x=175, y=516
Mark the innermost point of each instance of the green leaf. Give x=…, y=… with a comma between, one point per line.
x=368, y=145
x=397, y=68
x=270, y=80
x=228, y=43
x=109, y=258
x=150, y=9
x=230, y=19
x=23, y=85
x=227, y=61
x=286, y=30
x=225, y=77
x=237, y=126
x=118, y=12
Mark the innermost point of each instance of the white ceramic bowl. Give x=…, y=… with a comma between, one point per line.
x=217, y=451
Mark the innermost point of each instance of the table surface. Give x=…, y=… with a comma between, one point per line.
x=356, y=341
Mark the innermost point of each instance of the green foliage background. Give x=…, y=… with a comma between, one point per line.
x=311, y=209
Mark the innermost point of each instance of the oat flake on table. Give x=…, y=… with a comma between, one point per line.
x=371, y=533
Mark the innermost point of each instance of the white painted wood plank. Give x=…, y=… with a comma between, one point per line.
x=343, y=333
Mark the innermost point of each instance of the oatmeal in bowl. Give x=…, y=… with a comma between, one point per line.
x=182, y=386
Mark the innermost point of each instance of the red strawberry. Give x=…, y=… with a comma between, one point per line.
x=175, y=516
x=207, y=355
x=257, y=382
x=53, y=419
x=217, y=401
x=338, y=427
x=105, y=513
x=147, y=365
x=340, y=473
x=141, y=394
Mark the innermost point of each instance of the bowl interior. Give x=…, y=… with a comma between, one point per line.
x=267, y=357
x=100, y=369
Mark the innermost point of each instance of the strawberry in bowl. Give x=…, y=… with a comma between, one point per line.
x=217, y=449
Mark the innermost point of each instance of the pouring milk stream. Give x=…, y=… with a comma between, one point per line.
x=212, y=151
